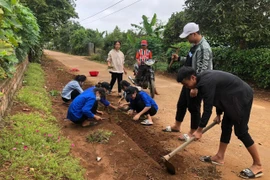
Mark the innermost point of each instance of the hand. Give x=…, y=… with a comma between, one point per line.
x=193, y=92
x=130, y=112
x=139, y=63
x=110, y=66
x=197, y=134
x=217, y=119
x=100, y=112
x=175, y=57
x=98, y=118
x=136, y=117
x=125, y=72
x=119, y=101
x=121, y=105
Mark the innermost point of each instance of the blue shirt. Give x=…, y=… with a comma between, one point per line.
x=148, y=101
x=102, y=100
x=83, y=104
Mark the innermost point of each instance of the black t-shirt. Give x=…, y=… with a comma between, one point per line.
x=190, y=55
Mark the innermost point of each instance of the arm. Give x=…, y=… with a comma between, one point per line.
x=150, y=55
x=144, y=111
x=208, y=95
x=203, y=60
x=87, y=108
x=138, y=58
x=78, y=87
x=109, y=59
x=147, y=103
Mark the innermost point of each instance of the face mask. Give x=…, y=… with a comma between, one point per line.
x=98, y=98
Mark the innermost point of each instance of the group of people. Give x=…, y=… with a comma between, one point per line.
x=231, y=96
x=84, y=107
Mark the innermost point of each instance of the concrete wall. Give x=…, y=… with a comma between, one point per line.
x=9, y=87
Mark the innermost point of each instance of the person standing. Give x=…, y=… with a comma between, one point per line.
x=233, y=98
x=199, y=58
x=116, y=60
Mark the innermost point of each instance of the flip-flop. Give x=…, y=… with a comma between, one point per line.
x=208, y=159
x=147, y=123
x=184, y=138
x=169, y=129
x=248, y=174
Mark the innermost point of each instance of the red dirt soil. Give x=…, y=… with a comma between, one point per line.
x=134, y=151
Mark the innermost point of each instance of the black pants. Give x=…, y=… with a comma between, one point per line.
x=83, y=118
x=141, y=71
x=240, y=127
x=192, y=104
x=119, y=77
x=74, y=94
x=140, y=105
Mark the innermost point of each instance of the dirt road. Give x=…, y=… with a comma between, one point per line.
x=237, y=158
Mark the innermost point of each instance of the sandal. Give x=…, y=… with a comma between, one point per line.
x=184, y=137
x=169, y=129
x=147, y=123
x=248, y=174
x=209, y=160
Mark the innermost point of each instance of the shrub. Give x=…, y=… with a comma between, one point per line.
x=250, y=65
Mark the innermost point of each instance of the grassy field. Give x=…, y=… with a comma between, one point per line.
x=31, y=146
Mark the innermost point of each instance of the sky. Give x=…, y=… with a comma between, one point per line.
x=124, y=18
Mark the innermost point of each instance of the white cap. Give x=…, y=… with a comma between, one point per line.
x=189, y=28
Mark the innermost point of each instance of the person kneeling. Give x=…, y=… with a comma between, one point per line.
x=84, y=108
x=142, y=103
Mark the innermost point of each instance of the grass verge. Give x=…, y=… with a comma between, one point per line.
x=31, y=146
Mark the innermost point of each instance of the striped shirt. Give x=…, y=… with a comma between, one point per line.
x=143, y=55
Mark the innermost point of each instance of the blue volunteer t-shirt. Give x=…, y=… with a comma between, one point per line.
x=148, y=101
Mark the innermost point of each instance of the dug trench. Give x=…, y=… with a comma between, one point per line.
x=134, y=152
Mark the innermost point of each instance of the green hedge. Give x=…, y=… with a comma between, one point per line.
x=252, y=65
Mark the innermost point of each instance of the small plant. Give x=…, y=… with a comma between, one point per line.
x=100, y=136
x=54, y=93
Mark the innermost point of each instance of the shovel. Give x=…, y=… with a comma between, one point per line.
x=170, y=168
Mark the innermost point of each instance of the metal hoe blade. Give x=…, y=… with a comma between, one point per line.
x=169, y=166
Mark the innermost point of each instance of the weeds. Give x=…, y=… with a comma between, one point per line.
x=100, y=136
x=54, y=93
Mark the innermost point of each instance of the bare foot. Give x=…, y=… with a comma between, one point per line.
x=256, y=169
x=86, y=123
x=217, y=159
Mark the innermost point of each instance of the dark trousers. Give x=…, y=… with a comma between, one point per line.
x=119, y=78
x=74, y=94
x=141, y=71
x=192, y=104
x=240, y=127
x=140, y=105
x=83, y=118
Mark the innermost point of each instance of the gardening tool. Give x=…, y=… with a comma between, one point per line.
x=170, y=168
x=176, y=52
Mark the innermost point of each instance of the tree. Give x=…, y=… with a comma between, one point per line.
x=51, y=14
x=19, y=33
x=173, y=28
x=244, y=24
x=150, y=28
